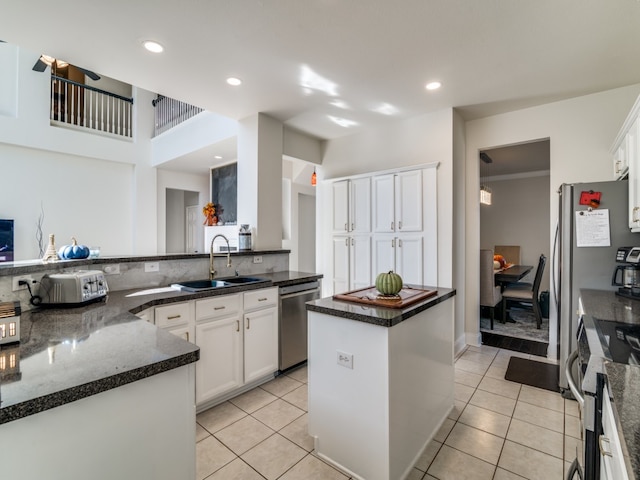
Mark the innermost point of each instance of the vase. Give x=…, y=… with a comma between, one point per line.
x=211, y=220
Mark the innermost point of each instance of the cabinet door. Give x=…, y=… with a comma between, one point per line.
x=383, y=203
x=341, y=206
x=260, y=343
x=612, y=464
x=360, y=205
x=409, y=259
x=408, y=201
x=341, y=248
x=186, y=332
x=219, y=369
x=384, y=251
x=360, y=262
x=633, y=157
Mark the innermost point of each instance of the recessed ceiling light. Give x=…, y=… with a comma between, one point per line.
x=234, y=81
x=433, y=85
x=217, y=157
x=152, y=46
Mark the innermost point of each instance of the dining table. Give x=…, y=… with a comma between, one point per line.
x=511, y=274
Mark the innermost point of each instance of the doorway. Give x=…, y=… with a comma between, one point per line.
x=306, y=233
x=184, y=233
x=518, y=179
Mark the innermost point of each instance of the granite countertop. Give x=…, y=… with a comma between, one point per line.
x=623, y=380
x=382, y=316
x=624, y=388
x=66, y=354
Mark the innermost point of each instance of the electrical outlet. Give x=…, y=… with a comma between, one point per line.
x=17, y=279
x=345, y=359
x=257, y=259
x=112, y=269
x=152, y=267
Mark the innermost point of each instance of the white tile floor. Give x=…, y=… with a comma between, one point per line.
x=498, y=430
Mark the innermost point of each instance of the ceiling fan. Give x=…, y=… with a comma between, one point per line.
x=46, y=61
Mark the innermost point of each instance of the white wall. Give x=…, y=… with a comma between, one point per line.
x=581, y=131
x=519, y=215
x=98, y=188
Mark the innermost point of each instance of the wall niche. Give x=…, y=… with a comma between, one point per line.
x=224, y=193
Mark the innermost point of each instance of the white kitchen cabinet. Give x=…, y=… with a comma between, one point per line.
x=352, y=205
x=626, y=159
x=402, y=254
x=260, y=343
x=178, y=319
x=397, y=202
x=147, y=315
x=219, y=369
x=612, y=465
x=351, y=262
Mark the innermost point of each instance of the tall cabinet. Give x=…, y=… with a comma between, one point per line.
x=381, y=222
x=351, y=234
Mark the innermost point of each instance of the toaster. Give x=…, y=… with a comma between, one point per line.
x=72, y=288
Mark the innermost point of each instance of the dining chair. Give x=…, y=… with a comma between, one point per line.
x=525, y=294
x=490, y=294
x=511, y=253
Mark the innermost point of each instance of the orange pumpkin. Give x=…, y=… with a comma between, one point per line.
x=500, y=259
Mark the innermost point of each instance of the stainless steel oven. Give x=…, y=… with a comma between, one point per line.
x=583, y=371
x=293, y=322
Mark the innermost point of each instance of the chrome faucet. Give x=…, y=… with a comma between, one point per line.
x=212, y=272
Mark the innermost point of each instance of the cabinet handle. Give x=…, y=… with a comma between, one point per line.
x=346, y=227
x=618, y=167
x=353, y=226
x=353, y=242
x=346, y=241
x=219, y=308
x=187, y=335
x=634, y=216
x=393, y=243
x=399, y=224
x=603, y=451
x=263, y=299
x=248, y=323
x=237, y=325
x=173, y=317
x=392, y=226
x=400, y=242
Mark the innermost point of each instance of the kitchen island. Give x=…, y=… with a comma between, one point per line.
x=381, y=382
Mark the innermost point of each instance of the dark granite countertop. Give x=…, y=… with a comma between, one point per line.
x=382, y=316
x=624, y=389
x=66, y=354
x=623, y=379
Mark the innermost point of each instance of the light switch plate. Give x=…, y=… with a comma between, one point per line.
x=345, y=359
x=152, y=267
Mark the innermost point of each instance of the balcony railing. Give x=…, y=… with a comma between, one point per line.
x=83, y=106
x=170, y=112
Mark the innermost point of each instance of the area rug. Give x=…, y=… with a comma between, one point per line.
x=533, y=373
x=524, y=326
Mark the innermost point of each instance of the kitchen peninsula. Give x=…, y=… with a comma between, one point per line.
x=380, y=382
x=96, y=389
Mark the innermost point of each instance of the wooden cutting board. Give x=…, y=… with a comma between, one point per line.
x=370, y=296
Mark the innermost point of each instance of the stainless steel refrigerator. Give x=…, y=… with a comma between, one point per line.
x=585, y=267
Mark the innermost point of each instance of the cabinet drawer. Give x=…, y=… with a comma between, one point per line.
x=267, y=297
x=218, y=306
x=173, y=315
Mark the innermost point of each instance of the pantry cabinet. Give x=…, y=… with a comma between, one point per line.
x=351, y=262
x=352, y=205
x=402, y=254
x=397, y=201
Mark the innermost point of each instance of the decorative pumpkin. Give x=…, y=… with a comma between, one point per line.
x=73, y=251
x=500, y=258
x=389, y=283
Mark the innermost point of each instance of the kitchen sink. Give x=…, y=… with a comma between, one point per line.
x=201, y=285
x=241, y=280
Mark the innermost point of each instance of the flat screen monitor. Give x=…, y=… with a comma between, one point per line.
x=6, y=240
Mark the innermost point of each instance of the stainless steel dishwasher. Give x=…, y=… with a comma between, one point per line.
x=293, y=322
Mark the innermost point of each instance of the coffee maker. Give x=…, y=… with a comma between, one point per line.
x=627, y=275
